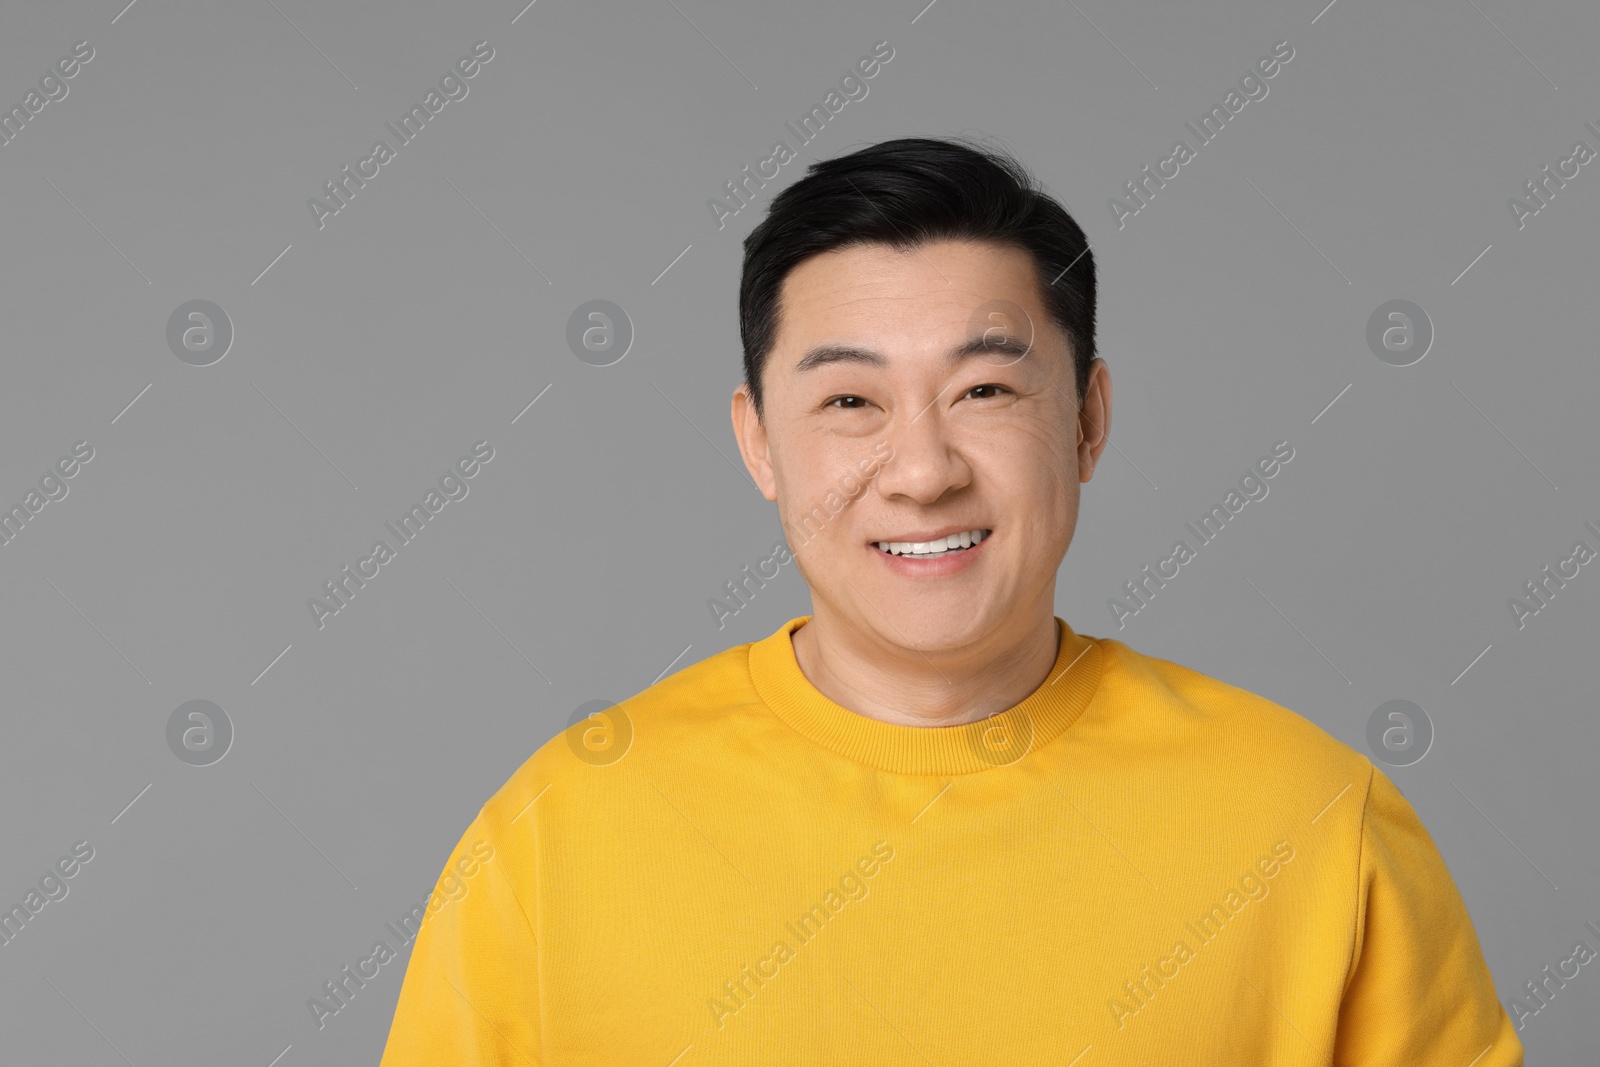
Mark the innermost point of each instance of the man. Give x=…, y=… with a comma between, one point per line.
x=930, y=823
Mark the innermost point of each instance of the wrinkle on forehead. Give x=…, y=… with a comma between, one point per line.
x=857, y=286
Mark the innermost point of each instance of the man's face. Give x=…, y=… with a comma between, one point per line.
x=913, y=444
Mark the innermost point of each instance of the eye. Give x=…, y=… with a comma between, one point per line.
x=834, y=403
x=975, y=388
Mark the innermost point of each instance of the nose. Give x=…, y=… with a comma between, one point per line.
x=928, y=463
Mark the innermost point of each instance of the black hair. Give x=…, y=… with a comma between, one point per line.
x=904, y=193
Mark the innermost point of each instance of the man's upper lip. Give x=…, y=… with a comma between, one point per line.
x=913, y=538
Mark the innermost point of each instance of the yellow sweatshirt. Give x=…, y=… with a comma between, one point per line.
x=1138, y=864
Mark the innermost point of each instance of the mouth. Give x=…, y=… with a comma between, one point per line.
x=950, y=544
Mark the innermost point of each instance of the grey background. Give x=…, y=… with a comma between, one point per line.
x=427, y=315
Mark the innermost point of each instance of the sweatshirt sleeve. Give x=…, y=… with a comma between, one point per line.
x=470, y=997
x=1418, y=991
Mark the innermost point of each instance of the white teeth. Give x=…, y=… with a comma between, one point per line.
x=932, y=549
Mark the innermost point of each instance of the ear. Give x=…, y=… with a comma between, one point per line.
x=1094, y=419
x=751, y=434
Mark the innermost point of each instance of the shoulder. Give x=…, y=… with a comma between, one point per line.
x=1237, y=733
x=664, y=721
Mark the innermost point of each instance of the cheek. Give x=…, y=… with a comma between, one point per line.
x=824, y=473
x=1035, y=471
x=804, y=509
x=1038, y=461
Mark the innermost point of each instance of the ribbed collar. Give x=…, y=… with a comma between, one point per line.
x=997, y=741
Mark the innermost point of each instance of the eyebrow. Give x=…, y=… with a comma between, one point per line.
x=823, y=355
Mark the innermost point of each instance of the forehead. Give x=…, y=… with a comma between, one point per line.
x=925, y=293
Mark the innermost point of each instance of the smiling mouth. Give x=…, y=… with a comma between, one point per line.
x=944, y=546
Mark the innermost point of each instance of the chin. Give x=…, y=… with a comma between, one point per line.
x=928, y=623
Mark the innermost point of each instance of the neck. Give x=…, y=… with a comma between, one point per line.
x=860, y=671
